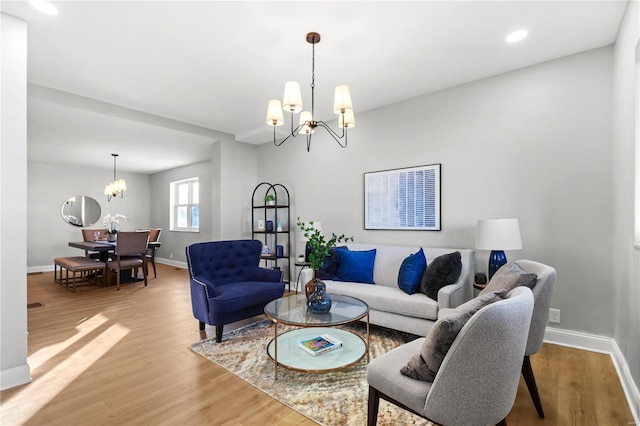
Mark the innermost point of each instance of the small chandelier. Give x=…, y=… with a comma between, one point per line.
x=117, y=187
x=292, y=102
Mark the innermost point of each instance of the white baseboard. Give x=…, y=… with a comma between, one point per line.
x=172, y=262
x=607, y=345
x=15, y=376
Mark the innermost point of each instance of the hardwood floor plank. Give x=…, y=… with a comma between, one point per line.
x=101, y=357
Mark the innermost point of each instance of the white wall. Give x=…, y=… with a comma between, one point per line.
x=14, y=369
x=626, y=260
x=50, y=185
x=533, y=144
x=174, y=243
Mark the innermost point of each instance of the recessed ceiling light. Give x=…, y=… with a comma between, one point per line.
x=516, y=36
x=44, y=7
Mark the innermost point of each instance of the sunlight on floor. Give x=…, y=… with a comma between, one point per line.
x=57, y=378
x=45, y=354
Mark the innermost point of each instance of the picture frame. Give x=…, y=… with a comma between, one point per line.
x=260, y=225
x=403, y=199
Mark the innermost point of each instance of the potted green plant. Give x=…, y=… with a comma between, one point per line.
x=270, y=199
x=320, y=248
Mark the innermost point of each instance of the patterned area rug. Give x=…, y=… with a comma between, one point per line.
x=332, y=398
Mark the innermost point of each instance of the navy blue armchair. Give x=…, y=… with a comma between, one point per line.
x=227, y=285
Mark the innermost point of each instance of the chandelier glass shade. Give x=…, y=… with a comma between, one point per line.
x=292, y=102
x=117, y=187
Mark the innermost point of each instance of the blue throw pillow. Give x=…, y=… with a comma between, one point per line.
x=411, y=272
x=330, y=265
x=356, y=266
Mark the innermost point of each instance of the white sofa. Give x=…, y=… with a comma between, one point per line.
x=391, y=307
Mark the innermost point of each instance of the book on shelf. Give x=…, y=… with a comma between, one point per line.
x=320, y=344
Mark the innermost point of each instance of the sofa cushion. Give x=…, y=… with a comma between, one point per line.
x=387, y=299
x=510, y=276
x=441, y=271
x=411, y=271
x=330, y=265
x=356, y=266
x=425, y=365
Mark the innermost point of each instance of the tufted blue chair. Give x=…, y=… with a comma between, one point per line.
x=227, y=285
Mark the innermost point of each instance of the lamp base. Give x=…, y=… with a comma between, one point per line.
x=497, y=258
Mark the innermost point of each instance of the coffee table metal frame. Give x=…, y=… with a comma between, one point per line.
x=292, y=310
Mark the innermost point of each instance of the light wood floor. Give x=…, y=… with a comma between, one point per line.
x=101, y=357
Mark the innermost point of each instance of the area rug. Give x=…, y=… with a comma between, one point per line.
x=331, y=398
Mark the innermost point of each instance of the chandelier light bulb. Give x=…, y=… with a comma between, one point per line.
x=274, y=113
x=292, y=99
x=347, y=120
x=342, y=100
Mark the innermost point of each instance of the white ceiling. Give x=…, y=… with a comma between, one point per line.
x=215, y=64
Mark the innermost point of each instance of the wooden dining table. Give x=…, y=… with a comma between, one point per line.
x=105, y=247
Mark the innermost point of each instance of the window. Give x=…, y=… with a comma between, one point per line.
x=185, y=205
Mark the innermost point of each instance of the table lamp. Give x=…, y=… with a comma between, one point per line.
x=498, y=235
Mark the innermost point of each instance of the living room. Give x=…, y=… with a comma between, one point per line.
x=551, y=144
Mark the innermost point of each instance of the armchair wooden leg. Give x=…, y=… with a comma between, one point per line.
x=530, y=380
x=219, y=333
x=201, y=325
x=374, y=403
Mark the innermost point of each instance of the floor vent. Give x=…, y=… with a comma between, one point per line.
x=34, y=305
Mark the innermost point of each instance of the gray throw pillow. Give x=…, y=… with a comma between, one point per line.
x=510, y=276
x=425, y=365
x=441, y=271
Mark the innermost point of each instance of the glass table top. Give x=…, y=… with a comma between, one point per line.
x=293, y=310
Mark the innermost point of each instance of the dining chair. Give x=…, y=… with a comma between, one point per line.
x=130, y=253
x=154, y=237
x=90, y=235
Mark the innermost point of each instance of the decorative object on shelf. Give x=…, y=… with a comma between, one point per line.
x=270, y=199
x=498, y=235
x=319, y=302
x=117, y=187
x=292, y=102
x=279, y=227
x=266, y=250
x=269, y=226
x=111, y=221
x=261, y=225
x=480, y=278
x=280, y=251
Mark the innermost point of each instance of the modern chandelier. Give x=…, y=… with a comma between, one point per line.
x=117, y=187
x=292, y=102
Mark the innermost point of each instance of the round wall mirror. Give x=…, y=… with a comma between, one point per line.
x=81, y=210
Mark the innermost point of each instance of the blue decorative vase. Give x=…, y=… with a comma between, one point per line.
x=319, y=302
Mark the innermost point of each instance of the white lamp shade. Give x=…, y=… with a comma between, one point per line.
x=274, y=113
x=342, y=100
x=347, y=120
x=292, y=99
x=305, y=117
x=498, y=234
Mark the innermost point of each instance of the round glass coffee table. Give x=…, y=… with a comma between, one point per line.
x=284, y=350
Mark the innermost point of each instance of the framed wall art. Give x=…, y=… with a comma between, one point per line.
x=403, y=199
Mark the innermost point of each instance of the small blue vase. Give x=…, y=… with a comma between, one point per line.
x=319, y=302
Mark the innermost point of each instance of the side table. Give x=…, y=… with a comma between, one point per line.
x=302, y=266
x=477, y=288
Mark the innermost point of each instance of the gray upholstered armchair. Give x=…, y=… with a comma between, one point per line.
x=478, y=378
x=542, y=292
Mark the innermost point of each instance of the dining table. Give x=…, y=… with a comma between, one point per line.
x=104, y=247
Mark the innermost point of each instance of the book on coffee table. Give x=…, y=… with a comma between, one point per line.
x=320, y=344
